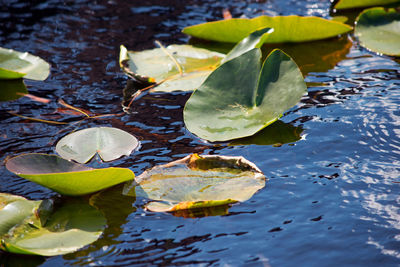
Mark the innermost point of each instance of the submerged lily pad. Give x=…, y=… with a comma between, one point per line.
x=182, y=67
x=66, y=177
x=286, y=29
x=198, y=182
x=110, y=143
x=378, y=30
x=240, y=97
x=348, y=4
x=67, y=229
x=12, y=89
x=14, y=65
x=176, y=67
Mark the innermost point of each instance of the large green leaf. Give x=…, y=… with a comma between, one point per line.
x=12, y=89
x=65, y=177
x=110, y=143
x=14, y=65
x=237, y=100
x=347, y=4
x=69, y=228
x=162, y=65
x=286, y=29
x=378, y=30
x=198, y=182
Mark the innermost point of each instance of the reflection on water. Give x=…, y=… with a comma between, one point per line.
x=332, y=197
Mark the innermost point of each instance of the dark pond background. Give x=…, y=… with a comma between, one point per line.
x=332, y=197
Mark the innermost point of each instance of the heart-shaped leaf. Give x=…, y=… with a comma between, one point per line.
x=348, y=4
x=286, y=29
x=378, y=30
x=69, y=228
x=198, y=182
x=12, y=89
x=240, y=98
x=14, y=65
x=110, y=143
x=66, y=177
x=182, y=67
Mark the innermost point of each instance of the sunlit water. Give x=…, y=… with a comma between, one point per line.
x=331, y=199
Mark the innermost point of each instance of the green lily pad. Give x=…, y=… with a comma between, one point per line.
x=286, y=29
x=162, y=65
x=349, y=4
x=197, y=182
x=14, y=65
x=158, y=65
x=69, y=228
x=12, y=89
x=66, y=177
x=240, y=97
x=378, y=30
x=277, y=134
x=110, y=143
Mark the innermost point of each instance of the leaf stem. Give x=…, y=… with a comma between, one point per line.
x=171, y=56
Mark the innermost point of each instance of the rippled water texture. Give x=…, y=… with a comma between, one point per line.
x=332, y=198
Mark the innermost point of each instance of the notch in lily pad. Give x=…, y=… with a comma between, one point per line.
x=41, y=228
x=197, y=181
x=182, y=67
x=108, y=142
x=15, y=65
x=66, y=177
x=242, y=97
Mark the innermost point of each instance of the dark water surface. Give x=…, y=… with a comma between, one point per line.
x=331, y=199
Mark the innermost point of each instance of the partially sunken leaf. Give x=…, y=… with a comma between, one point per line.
x=347, y=4
x=286, y=29
x=378, y=30
x=12, y=89
x=198, y=182
x=240, y=97
x=110, y=143
x=69, y=228
x=65, y=177
x=14, y=65
x=176, y=67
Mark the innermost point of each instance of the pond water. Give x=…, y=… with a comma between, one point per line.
x=331, y=199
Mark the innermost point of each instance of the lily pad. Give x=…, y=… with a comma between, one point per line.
x=197, y=182
x=69, y=228
x=14, y=65
x=240, y=97
x=66, y=177
x=110, y=143
x=286, y=29
x=183, y=67
x=176, y=67
x=12, y=89
x=378, y=30
x=276, y=134
x=349, y=4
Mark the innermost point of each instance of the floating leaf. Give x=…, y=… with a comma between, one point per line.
x=182, y=67
x=286, y=29
x=12, y=89
x=110, y=143
x=67, y=229
x=65, y=177
x=348, y=4
x=378, y=30
x=176, y=67
x=14, y=65
x=240, y=98
x=198, y=182
x=277, y=134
